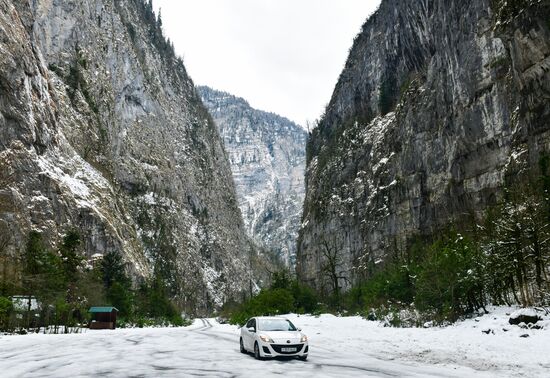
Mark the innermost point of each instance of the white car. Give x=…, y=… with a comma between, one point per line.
x=269, y=337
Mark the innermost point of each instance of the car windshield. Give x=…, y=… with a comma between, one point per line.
x=276, y=325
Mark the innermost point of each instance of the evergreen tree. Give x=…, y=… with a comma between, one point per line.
x=34, y=256
x=116, y=282
x=112, y=268
x=70, y=255
x=5, y=260
x=159, y=20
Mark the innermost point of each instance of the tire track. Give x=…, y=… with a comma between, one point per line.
x=205, y=330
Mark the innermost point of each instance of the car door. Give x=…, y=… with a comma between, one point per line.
x=249, y=342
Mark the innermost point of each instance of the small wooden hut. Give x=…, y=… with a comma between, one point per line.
x=103, y=317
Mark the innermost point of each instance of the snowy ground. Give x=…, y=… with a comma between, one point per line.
x=339, y=347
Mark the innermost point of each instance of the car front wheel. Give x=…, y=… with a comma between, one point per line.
x=257, y=351
x=242, y=346
x=302, y=358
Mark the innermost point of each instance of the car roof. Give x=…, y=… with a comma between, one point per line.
x=270, y=317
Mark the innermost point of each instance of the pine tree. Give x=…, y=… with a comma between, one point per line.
x=5, y=240
x=112, y=268
x=116, y=282
x=159, y=20
x=70, y=255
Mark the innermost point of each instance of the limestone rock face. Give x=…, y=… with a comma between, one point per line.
x=438, y=101
x=101, y=129
x=267, y=157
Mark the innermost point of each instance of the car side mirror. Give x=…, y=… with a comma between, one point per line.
x=298, y=329
x=251, y=329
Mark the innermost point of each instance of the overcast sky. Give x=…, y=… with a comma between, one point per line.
x=283, y=56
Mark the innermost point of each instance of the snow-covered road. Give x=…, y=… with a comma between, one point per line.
x=339, y=347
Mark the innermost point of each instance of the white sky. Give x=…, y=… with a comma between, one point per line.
x=283, y=56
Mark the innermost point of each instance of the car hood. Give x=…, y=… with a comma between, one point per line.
x=282, y=337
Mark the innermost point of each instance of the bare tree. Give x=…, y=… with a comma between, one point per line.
x=5, y=241
x=331, y=267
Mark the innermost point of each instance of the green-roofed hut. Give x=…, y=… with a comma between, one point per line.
x=103, y=317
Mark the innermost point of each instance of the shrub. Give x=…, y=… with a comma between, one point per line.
x=386, y=98
x=6, y=308
x=284, y=296
x=450, y=282
x=305, y=299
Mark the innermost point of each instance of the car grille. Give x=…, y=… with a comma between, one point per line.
x=279, y=348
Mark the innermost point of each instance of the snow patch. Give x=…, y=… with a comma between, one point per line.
x=523, y=312
x=75, y=175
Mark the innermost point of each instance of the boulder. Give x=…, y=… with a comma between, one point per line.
x=524, y=315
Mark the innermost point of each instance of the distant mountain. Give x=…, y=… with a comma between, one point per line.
x=267, y=157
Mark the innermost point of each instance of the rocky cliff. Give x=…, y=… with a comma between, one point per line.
x=101, y=129
x=438, y=102
x=267, y=157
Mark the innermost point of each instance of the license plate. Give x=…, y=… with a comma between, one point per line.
x=288, y=349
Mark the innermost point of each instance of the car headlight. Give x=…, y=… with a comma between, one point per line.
x=303, y=339
x=266, y=339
